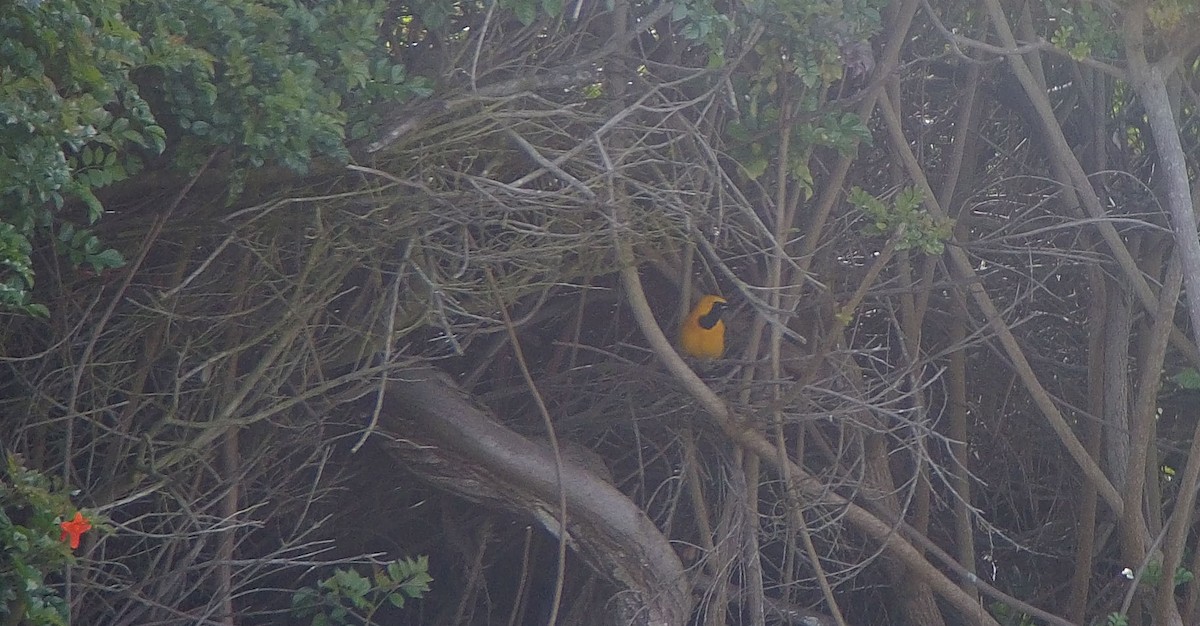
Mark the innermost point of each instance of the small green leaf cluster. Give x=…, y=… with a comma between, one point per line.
x=1083, y=30
x=802, y=53
x=81, y=247
x=1007, y=616
x=526, y=11
x=1152, y=576
x=922, y=231
x=701, y=21
x=756, y=140
x=348, y=597
x=16, y=273
x=840, y=131
x=30, y=505
x=1170, y=15
x=1187, y=378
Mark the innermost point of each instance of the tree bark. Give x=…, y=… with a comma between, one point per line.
x=440, y=433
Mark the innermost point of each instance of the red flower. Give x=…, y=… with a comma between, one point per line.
x=74, y=528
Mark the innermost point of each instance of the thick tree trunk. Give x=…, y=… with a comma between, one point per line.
x=439, y=433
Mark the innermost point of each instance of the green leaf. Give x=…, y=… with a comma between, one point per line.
x=351, y=583
x=755, y=166
x=106, y=260
x=95, y=209
x=1187, y=378
x=397, y=74
x=38, y=310
x=157, y=138
x=525, y=10
x=19, y=541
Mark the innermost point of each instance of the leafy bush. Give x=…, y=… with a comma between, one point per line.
x=30, y=506
x=348, y=597
x=91, y=90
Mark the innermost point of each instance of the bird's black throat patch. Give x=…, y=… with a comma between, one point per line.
x=710, y=319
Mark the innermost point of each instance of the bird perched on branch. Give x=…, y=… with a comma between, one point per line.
x=702, y=334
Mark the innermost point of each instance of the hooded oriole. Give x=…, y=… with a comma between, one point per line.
x=702, y=334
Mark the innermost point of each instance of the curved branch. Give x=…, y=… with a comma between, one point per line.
x=464, y=450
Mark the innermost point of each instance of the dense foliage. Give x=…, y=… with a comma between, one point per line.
x=94, y=91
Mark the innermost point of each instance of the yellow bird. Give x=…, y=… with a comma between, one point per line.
x=702, y=334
